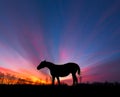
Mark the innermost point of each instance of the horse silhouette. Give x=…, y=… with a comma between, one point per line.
x=63, y=70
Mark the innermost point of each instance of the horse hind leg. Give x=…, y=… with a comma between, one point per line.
x=75, y=81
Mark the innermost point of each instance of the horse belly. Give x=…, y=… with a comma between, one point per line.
x=62, y=74
x=60, y=71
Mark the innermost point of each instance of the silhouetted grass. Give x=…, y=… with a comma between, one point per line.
x=95, y=89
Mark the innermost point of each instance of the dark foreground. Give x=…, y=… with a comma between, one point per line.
x=80, y=90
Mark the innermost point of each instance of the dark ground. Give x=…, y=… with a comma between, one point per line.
x=80, y=90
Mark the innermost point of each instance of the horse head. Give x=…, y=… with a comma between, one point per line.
x=42, y=65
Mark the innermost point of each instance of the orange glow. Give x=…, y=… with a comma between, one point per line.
x=10, y=77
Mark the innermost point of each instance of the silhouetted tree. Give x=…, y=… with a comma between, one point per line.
x=80, y=79
x=1, y=78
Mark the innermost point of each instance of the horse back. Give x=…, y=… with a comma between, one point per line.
x=71, y=65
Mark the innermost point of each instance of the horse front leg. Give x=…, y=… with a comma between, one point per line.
x=58, y=80
x=53, y=79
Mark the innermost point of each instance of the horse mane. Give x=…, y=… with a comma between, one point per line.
x=50, y=62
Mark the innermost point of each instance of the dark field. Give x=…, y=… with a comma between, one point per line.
x=80, y=90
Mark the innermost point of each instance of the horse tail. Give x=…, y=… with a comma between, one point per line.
x=78, y=68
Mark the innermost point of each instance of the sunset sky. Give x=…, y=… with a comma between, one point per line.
x=86, y=32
